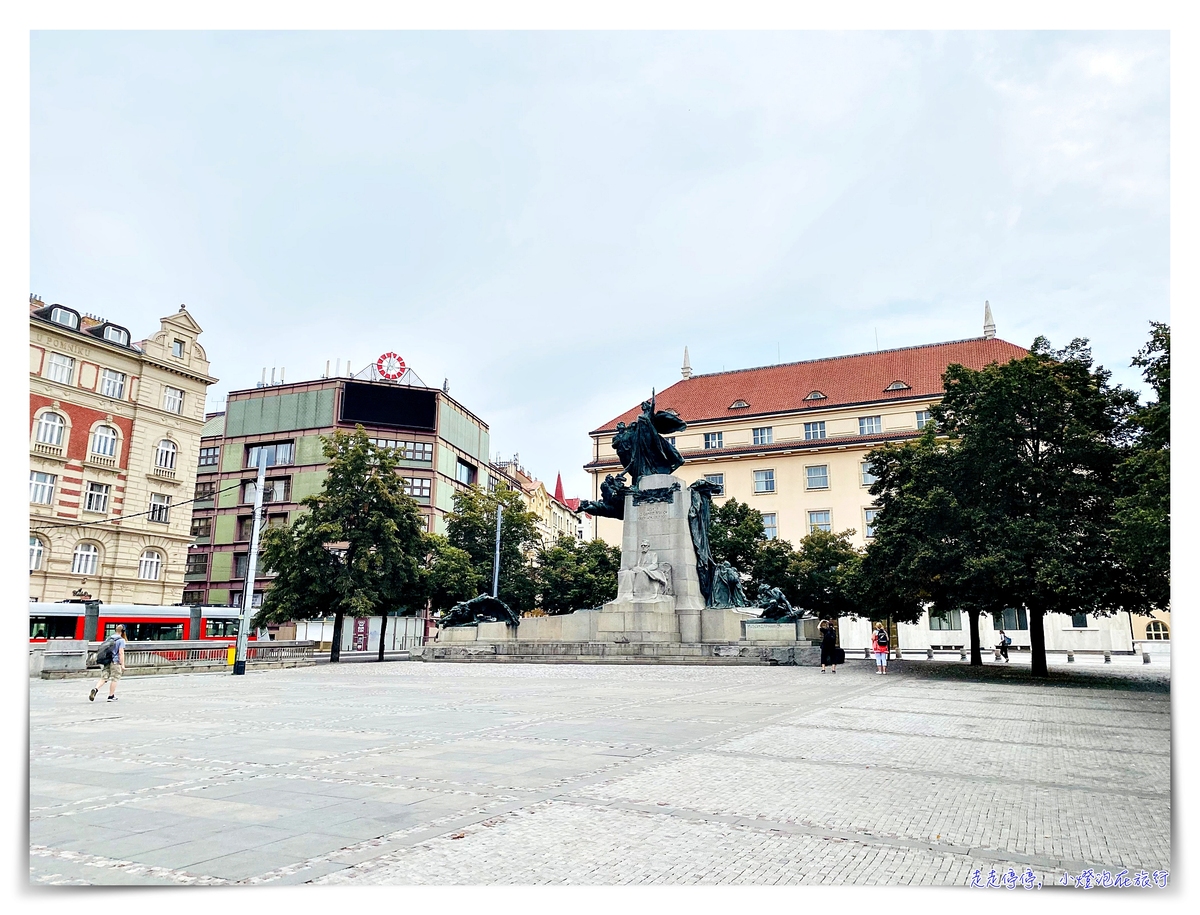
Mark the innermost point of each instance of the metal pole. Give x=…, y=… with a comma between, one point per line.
x=239, y=664
x=496, y=562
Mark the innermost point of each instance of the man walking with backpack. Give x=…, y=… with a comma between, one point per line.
x=111, y=654
x=1005, y=641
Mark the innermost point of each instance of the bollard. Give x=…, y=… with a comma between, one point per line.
x=867, y=653
x=1108, y=657
x=928, y=654
x=231, y=655
x=897, y=655
x=962, y=654
x=1145, y=657
x=1070, y=657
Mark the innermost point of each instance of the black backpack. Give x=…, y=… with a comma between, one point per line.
x=881, y=637
x=105, y=653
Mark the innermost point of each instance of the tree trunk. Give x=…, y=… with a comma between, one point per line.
x=382, y=633
x=335, y=648
x=1037, y=642
x=976, y=652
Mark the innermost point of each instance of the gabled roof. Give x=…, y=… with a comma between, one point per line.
x=844, y=380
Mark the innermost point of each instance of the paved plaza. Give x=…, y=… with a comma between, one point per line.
x=423, y=773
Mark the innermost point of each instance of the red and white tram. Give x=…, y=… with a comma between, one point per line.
x=69, y=620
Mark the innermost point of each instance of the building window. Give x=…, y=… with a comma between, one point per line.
x=160, y=508
x=210, y=456
x=205, y=489
x=118, y=335
x=870, y=425
x=172, y=400
x=104, y=441
x=819, y=521
x=1156, y=630
x=274, y=490
x=770, y=530
x=241, y=565
x=85, y=559
x=945, y=619
x=671, y=439
x=49, y=429
x=868, y=478
x=277, y=453
x=255, y=601
x=816, y=477
x=1079, y=620
x=1010, y=619
x=714, y=440
x=202, y=526
x=923, y=418
x=717, y=480
x=869, y=517
x=150, y=565
x=764, y=481
x=164, y=456
x=814, y=430
x=418, y=487
x=96, y=498
x=409, y=451
x=764, y=435
x=60, y=368
x=196, y=597
x=197, y=564
x=41, y=488
x=65, y=318
x=464, y=472
x=814, y=395
x=177, y=349
x=112, y=384
x=37, y=551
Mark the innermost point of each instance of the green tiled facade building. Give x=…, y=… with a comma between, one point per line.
x=444, y=445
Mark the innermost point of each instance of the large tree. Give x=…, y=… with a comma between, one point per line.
x=450, y=575
x=1039, y=442
x=576, y=576
x=471, y=527
x=355, y=548
x=735, y=535
x=824, y=575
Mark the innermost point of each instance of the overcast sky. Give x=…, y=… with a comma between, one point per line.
x=547, y=219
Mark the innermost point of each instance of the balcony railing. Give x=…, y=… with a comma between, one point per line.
x=101, y=460
x=163, y=472
x=49, y=450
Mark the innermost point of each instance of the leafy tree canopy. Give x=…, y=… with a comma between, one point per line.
x=471, y=527
x=576, y=576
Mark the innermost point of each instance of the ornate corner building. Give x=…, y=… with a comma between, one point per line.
x=114, y=438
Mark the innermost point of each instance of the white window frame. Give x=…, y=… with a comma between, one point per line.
x=210, y=456
x=95, y=499
x=814, y=430
x=72, y=318
x=870, y=425
x=869, y=515
x=924, y=418
x=150, y=565
x=864, y=473
x=808, y=476
x=717, y=479
x=177, y=349
x=826, y=526
x=771, y=530
x=59, y=365
x=765, y=483
x=43, y=488
x=50, y=429
x=763, y=435
x=117, y=335
x=99, y=436
x=714, y=440
x=165, y=457
x=172, y=399
x=85, y=559
x=112, y=384
x=37, y=553
x=160, y=508
x=418, y=487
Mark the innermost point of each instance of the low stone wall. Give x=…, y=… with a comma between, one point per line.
x=616, y=653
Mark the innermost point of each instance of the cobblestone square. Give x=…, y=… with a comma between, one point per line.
x=420, y=773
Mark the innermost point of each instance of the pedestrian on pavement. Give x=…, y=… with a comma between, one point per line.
x=828, y=645
x=879, y=645
x=1005, y=641
x=111, y=654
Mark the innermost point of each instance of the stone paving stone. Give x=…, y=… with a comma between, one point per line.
x=514, y=774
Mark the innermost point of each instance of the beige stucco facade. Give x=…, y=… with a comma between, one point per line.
x=130, y=417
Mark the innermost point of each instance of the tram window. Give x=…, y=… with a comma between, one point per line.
x=52, y=627
x=147, y=632
x=220, y=629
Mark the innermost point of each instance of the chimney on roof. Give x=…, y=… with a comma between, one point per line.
x=989, y=325
x=687, y=365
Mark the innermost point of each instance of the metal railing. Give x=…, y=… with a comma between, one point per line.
x=202, y=654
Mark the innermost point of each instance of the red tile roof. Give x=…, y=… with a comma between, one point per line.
x=844, y=380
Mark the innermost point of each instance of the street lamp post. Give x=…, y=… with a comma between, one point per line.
x=239, y=664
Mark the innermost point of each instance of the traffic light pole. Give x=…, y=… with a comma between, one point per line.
x=239, y=664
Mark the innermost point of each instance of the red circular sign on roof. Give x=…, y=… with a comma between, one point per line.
x=390, y=365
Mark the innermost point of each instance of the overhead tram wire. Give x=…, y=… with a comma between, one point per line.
x=56, y=526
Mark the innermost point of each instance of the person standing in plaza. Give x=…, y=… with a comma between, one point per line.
x=880, y=645
x=112, y=656
x=1003, y=644
x=828, y=644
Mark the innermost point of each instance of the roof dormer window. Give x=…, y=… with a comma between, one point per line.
x=738, y=405
x=898, y=386
x=65, y=317
x=814, y=395
x=118, y=335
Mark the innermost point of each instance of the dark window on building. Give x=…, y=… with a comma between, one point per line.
x=276, y=490
x=1079, y=620
x=206, y=489
x=464, y=472
x=197, y=564
x=1011, y=619
x=210, y=456
x=278, y=453
x=193, y=597
x=201, y=527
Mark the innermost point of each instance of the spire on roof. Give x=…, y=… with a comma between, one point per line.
x=558, y=490
x=989, y=325
x=687, y=365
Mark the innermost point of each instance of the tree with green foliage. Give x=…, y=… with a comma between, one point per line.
x=576, y=576
x=735, y=535
x=774, y=567
x=357, y=547
x=471, y=527
x=450, y=575
x=1142, y=516
x=824, y=574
